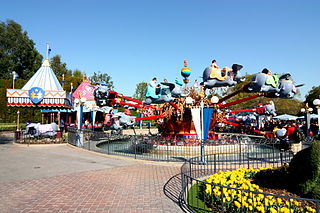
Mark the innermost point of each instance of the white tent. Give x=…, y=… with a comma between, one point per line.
x=285, y=117
x=312, y=116
x=44, y=78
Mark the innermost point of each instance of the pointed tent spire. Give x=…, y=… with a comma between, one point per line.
x=44, y=77
x=46, y=62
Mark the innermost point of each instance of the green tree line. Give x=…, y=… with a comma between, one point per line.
x=18, y=54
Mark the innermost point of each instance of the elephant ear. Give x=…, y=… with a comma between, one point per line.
x=286, y=76
x=236, y=67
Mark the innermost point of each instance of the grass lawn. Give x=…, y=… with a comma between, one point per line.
x=194, y=202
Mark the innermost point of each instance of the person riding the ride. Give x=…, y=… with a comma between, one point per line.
x=217, y=73
x=272, y=80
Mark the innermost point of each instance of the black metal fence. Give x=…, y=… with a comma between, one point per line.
x=195, y=171
x=227, y=148
x=227, y=152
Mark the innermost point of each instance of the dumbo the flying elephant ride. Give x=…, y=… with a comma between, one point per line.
x=165, y=93
x=281, y=86
x=215, y=77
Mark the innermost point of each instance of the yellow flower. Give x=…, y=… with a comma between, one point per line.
x=310, y=209
x=260, y=209
x=272, y=210
x=237, y=204
x=284, y=210
x=279, y=200
x=296, y=203
x=217, y=193
x=245, y=204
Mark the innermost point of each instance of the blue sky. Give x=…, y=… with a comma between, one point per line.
x=135, y=40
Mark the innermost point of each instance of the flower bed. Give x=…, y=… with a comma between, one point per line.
x=250, y=197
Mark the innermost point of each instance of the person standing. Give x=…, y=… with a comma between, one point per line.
x=62, y=125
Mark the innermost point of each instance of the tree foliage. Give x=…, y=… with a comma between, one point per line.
x=140, y=92
x=99, y=77
x=17, y=51
x=59, y=68
x=314, y=93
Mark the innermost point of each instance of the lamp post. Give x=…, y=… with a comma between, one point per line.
x=18, y=120
x=80, y=102
x=59, y=121
x=306, y=110
x=13, y=78
x=316, y=102
x=17, y=133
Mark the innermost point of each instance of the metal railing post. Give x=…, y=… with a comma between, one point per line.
x=135, y=148
x=240, y=152
x=222, y=203
x=214, y=163
x=108, y=144
x=167, y=152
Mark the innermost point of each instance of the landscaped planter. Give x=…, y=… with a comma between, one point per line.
x=234, y=192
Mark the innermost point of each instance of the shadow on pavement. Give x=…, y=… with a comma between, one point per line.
x=4, y=139
x=172, y=188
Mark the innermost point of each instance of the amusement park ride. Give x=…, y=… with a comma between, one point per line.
x=173, y=106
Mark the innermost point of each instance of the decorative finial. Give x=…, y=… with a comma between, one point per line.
x=185, y=63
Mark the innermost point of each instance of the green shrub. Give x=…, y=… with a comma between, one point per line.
x=304, y=169
x=10, y=126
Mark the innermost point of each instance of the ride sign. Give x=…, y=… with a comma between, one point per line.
x=36, y=94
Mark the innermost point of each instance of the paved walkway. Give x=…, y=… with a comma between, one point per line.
x=62, y=178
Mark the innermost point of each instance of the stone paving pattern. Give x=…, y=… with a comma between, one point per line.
x=49, y=178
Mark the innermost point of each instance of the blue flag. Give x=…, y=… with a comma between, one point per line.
x=207, y=115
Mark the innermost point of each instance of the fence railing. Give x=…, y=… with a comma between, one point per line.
x=228, y=152
x=232, y=149
x=195, y=171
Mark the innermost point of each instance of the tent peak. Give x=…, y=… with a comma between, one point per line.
x=46, y=63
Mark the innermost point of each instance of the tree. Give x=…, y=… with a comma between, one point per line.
x=140, y=92
x=17, y=52
x=314, y=93
x=58, y=67
x=97, y=78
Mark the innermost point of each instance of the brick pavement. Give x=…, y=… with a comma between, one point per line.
x=134, y=187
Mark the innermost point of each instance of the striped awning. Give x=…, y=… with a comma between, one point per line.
x=20, y=98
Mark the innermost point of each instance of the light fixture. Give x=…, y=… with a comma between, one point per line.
x=214, y=99
x=189, y=100
x=83, y=100
x=316, y=102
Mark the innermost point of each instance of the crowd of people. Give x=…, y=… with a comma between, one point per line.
x=282, y=129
